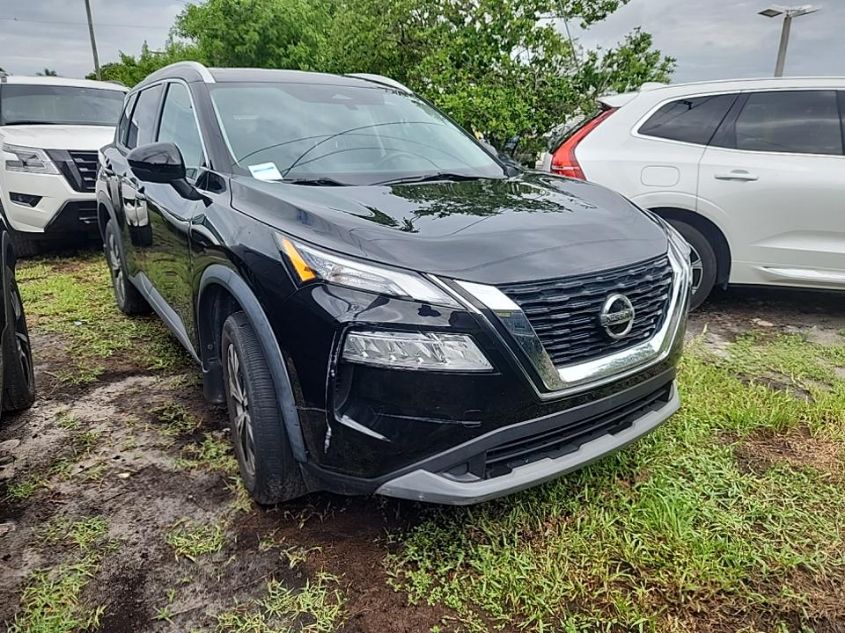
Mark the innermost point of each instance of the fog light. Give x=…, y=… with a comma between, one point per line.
x=24, y=198
x=415, y=350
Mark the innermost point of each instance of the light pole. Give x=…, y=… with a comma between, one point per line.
x=788, y=13
x=93, y=40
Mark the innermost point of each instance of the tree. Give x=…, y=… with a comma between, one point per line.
x=257, y=33
x=130, y=69
x=47, y=72
x=499, y=67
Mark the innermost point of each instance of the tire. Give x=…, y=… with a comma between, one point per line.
x=267, y=466
x=128, y=298
x=24, y=245
x=18, y=374
x=703, y=259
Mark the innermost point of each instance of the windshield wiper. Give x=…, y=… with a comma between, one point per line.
x=440, y=175
x=315, y=182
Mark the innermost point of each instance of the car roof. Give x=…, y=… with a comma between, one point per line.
x=660, y=91
x=196, y=72
x=62, y=81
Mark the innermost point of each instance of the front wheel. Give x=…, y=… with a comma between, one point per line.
x=18, y=375
x=267, y=466
x=129, y=300
x=702, y=259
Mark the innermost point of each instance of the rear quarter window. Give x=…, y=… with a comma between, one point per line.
x=692, y=120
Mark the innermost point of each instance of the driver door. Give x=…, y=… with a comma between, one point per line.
x=167, y=259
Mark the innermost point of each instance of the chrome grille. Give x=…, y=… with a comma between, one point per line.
x=86, y=167
x=565, y=312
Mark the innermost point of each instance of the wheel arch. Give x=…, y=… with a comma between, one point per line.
x=105, y=212
x=710, y=230
x=222, y=292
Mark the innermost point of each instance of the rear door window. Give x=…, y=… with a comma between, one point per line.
x=142, y=124
x=797, y=121
x=692, y=120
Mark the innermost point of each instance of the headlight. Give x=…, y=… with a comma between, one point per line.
x=415, y=350
x=310, y=264
x=29, y=159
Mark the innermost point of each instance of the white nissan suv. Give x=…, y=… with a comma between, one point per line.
x=50, y=131
x=751, y=172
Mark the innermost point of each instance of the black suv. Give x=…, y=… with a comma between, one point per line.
x=384, y=304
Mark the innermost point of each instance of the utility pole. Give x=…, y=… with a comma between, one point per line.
x=788, y=13
x=93, y=39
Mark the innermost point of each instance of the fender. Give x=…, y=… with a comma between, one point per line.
x=104, y=199
x=237, y=287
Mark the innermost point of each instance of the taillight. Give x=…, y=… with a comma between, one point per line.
x=563, y=159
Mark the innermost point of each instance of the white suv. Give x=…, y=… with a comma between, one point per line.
x=751, y=172
x=50, y=131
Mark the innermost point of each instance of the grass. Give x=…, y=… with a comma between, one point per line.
x=671, y=534
x=193, y=540
x=51, y=601
x=316, y=608
x=83, y=532
x=73, y=297
x=175, y=419
x=79, y=446
x=213, y=452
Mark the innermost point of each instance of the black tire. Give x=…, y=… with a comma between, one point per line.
x=18, y=374
x=269, y=471
x=703, y=259
x=25, y=245
x=129, y=300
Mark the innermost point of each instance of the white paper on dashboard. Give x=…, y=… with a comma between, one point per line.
x=265, y=171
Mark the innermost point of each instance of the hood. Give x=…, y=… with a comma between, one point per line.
x=87, y=137
x=536, y=226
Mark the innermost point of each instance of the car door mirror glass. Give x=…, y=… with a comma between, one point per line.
x=157, y=162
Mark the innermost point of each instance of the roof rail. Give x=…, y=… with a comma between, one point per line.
x=380, y=79
x=198, y=68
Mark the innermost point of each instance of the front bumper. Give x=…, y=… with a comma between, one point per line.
x=59, y=207
x=448, y=487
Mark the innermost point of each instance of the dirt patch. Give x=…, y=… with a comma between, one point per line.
x=797, y=448
x=727, y=314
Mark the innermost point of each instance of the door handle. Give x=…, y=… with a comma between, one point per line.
x=736, y=174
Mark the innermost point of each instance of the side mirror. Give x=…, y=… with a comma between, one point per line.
x=157, y=162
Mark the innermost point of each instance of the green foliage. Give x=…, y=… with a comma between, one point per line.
x=73, y=298
x=130, y=69
x=257, y=33
x=52, y=600
x=316, y=608
x=499, y=67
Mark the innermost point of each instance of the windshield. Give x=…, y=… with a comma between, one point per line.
x=62, y=105
x=333, y=134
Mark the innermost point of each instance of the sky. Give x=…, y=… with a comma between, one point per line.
x=710, y=39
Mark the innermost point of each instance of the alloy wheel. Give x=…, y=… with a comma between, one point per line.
x=243, y=419
x=116, y=268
